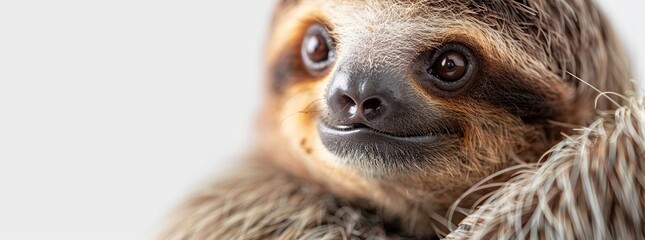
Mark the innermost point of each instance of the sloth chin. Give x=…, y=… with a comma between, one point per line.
x=371, y=148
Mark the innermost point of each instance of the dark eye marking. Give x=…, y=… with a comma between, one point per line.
x=304, y=58
x=285, y=69
x=515, y=96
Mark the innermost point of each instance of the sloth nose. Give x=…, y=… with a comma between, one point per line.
x=355, y=109
x=358, y=101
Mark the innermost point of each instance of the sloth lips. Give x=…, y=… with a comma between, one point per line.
x=361, y=141
x=363, y=133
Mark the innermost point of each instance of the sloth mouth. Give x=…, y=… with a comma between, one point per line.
x=359, y=132
x=360, y=128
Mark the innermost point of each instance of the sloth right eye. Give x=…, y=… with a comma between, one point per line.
x=317, y=52
x=450, y=68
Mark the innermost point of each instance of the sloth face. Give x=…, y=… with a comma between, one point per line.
x=388, y=87
x=414, y=101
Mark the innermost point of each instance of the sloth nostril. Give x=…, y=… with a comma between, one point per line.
x=346, y=100
x=371, y=108
x=372, y=104
x=348, y=103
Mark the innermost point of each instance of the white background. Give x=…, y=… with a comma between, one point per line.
x=112, y=111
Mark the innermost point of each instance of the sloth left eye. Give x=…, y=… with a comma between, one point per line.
x=317, y=49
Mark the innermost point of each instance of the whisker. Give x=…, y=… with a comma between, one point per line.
x=595, y=89
x=305, y=110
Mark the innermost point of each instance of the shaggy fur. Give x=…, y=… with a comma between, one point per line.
x=592, y=186
x=523, y=97
x=264, y=203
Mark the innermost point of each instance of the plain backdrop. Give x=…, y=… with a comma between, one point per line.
x=113, y=111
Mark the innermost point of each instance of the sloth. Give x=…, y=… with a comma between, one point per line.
x=380, y=114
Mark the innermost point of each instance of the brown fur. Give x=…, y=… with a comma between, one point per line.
x=513, y=114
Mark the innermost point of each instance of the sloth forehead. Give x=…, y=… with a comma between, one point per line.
x=401, y=37
x=393, y=33
x=378, y=12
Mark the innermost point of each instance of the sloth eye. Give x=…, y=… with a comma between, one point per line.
x=451, y=67
x=317, y=49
